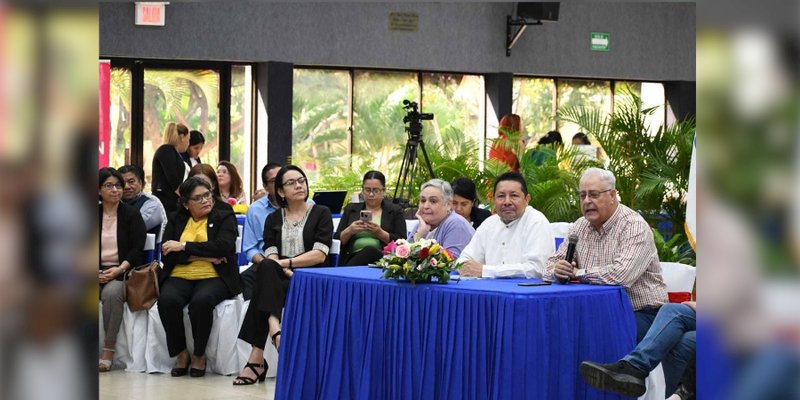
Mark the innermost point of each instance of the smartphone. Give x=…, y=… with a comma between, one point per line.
x=542, y=283
x=366, y=216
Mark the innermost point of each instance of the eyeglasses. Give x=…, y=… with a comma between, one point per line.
x=201, y=197
x=270, y=181
x=593, y=194
x=292, y=182
x=109, y=186
x=372, y=190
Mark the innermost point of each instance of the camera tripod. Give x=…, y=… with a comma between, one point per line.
x=405, y=180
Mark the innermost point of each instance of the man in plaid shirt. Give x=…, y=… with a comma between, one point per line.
x=615, y=247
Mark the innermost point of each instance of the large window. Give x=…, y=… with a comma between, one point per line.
x=120, y=116
x=320, y=122
x=242, y=124
x=581, y=93
x=189, y=97
x=458, y=104
x=534, y=100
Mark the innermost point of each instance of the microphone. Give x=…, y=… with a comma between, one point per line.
x=573, y=241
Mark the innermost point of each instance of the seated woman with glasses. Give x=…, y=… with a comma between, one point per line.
x=200, y=269
x=296, y=236
x=122, y=237
x=365, y=228
x=438, y=221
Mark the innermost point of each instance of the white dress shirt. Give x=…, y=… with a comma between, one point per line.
x=516, y=250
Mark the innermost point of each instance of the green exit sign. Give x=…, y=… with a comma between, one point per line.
x=600, y=41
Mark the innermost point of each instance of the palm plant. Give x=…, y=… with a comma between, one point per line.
x=652, y=170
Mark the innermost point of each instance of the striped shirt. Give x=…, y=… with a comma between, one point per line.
x=622, y=253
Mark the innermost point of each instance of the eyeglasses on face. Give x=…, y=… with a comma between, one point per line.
x=292, y=182
x=593, y=194
x=372, y=190
x=270, y=181
x=201, y=197
x=109, y=186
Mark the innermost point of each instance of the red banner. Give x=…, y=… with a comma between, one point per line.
x=104, y=138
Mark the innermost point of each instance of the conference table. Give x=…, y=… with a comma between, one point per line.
x=347, y=333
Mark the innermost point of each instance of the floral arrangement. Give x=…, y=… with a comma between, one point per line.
x=420, y=261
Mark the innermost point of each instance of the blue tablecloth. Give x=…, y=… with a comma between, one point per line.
x=347, y=334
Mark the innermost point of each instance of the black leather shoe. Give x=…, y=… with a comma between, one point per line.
x=178, y=371
x=197, y=373
x=619, y=377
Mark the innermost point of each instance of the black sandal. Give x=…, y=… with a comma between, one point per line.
x=246, y=380
x=273, y=339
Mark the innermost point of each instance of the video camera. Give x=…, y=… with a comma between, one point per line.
x=413, y=118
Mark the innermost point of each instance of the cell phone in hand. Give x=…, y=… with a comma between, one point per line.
x=366, y=216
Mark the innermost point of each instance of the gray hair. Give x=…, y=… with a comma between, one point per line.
x=604, y=174
x=447, y=190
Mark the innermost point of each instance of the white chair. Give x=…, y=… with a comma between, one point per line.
x=336, y=221
x=411, y=225
x=221, y=352
x=129, y=351
x=149, y=248
x=679, y=279
x=333, y=253
x=560, y=231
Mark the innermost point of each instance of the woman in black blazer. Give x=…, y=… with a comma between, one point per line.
x=169, y=169
x=122, y=237
x=297, y=235
x=363, y=239
x=200, y=269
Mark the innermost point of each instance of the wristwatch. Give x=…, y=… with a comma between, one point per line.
x=290, y=263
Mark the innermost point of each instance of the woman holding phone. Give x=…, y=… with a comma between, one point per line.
x=365, y=228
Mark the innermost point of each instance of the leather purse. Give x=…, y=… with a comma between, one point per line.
x=141, y=286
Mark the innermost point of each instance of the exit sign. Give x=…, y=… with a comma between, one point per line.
x=150, y=13
x=600, y=41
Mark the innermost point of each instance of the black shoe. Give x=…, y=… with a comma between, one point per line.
x=178, y=371
x=196, y=372
x=684, y=392
x=619, y=377
x=246, y=380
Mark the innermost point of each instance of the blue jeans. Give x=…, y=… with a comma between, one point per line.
x=670, y=340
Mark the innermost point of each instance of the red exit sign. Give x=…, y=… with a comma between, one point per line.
x=149, y=13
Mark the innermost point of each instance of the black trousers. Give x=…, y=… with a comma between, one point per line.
x=367, y=255
x=269, y=297
x=201, y=296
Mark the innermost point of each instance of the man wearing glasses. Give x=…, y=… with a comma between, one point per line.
x=515, y=242
x=615, y=247
x=155, y=218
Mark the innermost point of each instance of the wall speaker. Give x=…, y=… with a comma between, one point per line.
x=538, y=11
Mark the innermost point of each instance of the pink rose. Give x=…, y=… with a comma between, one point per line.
x=434, y=262
x=389, y=248
x=403, y=251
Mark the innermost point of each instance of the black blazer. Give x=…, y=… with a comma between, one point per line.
x=392, y=221
x=478, y=215
x=168, y=171
x=318, y=228
x=222, y=233
x=131, y=234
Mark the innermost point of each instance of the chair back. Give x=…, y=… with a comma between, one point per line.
x=149, y=253
x=560, y=231
x=333, y=253
x=411, y=224
x=679, y=279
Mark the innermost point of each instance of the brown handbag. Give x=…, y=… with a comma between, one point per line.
x=141, y=286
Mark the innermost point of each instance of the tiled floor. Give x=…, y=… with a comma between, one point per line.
x=121, y=385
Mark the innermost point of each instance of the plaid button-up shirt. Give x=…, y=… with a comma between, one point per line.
x=622, y=253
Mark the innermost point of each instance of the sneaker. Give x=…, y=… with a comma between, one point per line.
x=619, y=377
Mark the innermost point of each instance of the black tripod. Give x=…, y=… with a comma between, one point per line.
x=405, y=180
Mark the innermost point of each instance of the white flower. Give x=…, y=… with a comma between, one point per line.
x=401, y=242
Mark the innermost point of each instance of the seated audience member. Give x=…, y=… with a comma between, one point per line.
x=253, y=232
x=155, y=218
x=363, y=240
x=230, y=183
x=207, y=173
x=438, y=221
x=515, y=242
x=122, y=236
x=199, y=255
x=192, y=155
x=671, y=340
x=581, y=141
x=465, y=202
x=299, y=235
x=615, y=247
